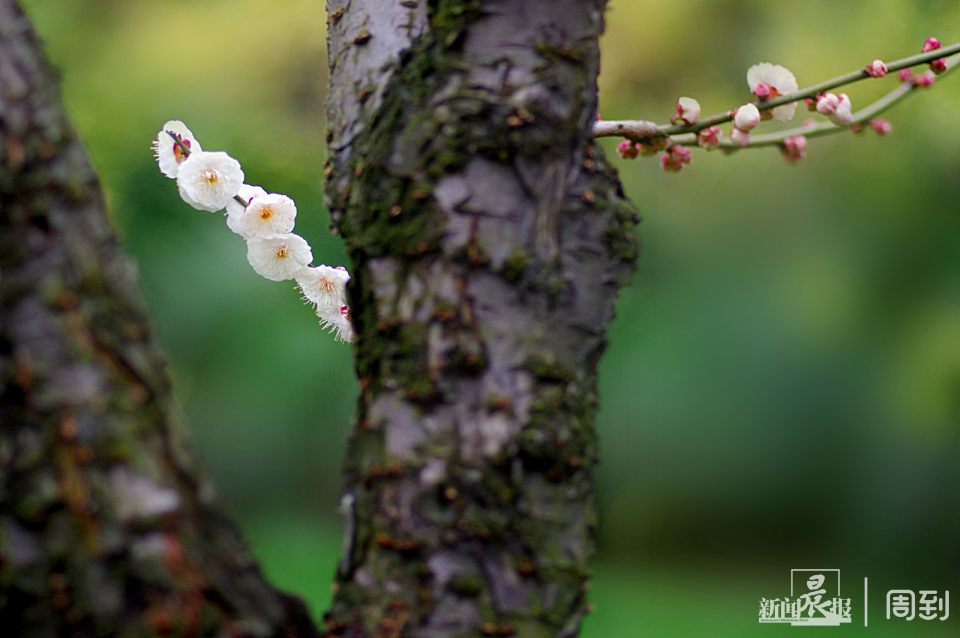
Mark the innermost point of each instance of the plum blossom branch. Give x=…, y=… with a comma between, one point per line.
x=810, y=130
x=639, y=130
x=212, y=181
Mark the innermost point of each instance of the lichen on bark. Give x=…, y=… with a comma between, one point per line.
x=489, y=238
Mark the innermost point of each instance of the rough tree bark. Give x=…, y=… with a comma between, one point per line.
x=106, y=525
x=488, y=239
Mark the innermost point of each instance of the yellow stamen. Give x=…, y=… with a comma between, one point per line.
x=266, y=213
x=282, y=252
x=211, y=176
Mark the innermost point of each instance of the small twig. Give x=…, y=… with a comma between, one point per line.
x=638, y=130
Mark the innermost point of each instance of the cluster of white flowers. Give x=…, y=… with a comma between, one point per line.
x=213, y=181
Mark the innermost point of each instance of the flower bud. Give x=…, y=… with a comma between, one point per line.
x=881, y=126
x=827, y=103
x=843, y=115
x=762, y=91
x=627, y=149
x=876, y=69
x=688, y=111
x=709, y=138
x=923, y=80
x=931, y=44
x=906, y=75
x=794, y=148
x=746, y=117
x=674, y=158
x=739, y=137
x=939, y=65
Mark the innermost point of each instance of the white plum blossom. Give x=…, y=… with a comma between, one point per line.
x=234, y=208
x=170, y=155
x=337, y=320
x=688, y=111
x=771, y=81
x=279, y=257
x=209, y=180
x=746, y=117
x=324, y=286
x=265, y=215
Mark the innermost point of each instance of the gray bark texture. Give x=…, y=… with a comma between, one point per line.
x=107, y=528
x=489, y=239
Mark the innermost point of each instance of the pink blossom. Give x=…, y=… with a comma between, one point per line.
x=688, y=111
x=876, y=69
x=794, y=148
x=746, y=117
x=906, y=75
x=709, y=138
x=627, y=149
x=763, y=91
x=837, y=107
x=931, y=44
x=939, y=65
x=740, y=137
x=923, y=80
x=881, y=126
x=674, y=158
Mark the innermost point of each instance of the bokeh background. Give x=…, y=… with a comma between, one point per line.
x=782, y=388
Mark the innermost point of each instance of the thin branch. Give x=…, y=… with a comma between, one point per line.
x=637, y=130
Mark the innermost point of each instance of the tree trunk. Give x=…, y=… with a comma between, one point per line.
x=489, y=239
x=106, y=525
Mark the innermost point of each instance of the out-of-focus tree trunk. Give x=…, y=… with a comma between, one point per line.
x=106, y=525
x=489, y=239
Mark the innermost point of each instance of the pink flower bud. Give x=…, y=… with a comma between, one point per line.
x=763, y=91
x=939, y=65
x=688, y=111
x=827, y=104
x=794, y=148
x=739, y=137
x=906, y=75
x=810, y=103
x=876, y=69
x=923, y=80
x=627, y=150
x=881, y=126
x=931, y=44
x=856, y=128
x=709, y=138
x=746, y=117
x=674, y=158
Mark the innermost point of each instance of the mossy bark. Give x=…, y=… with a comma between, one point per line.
x=107, y=527
x=489, y=239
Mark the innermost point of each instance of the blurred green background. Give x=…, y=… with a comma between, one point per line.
x=782, y=388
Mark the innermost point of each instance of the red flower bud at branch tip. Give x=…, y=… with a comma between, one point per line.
x=931, y=44
x=939, y=65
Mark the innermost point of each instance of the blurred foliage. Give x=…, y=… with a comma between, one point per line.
x=781, y=388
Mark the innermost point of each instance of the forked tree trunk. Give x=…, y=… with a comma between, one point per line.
x=488, y=239
x=107, y=528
